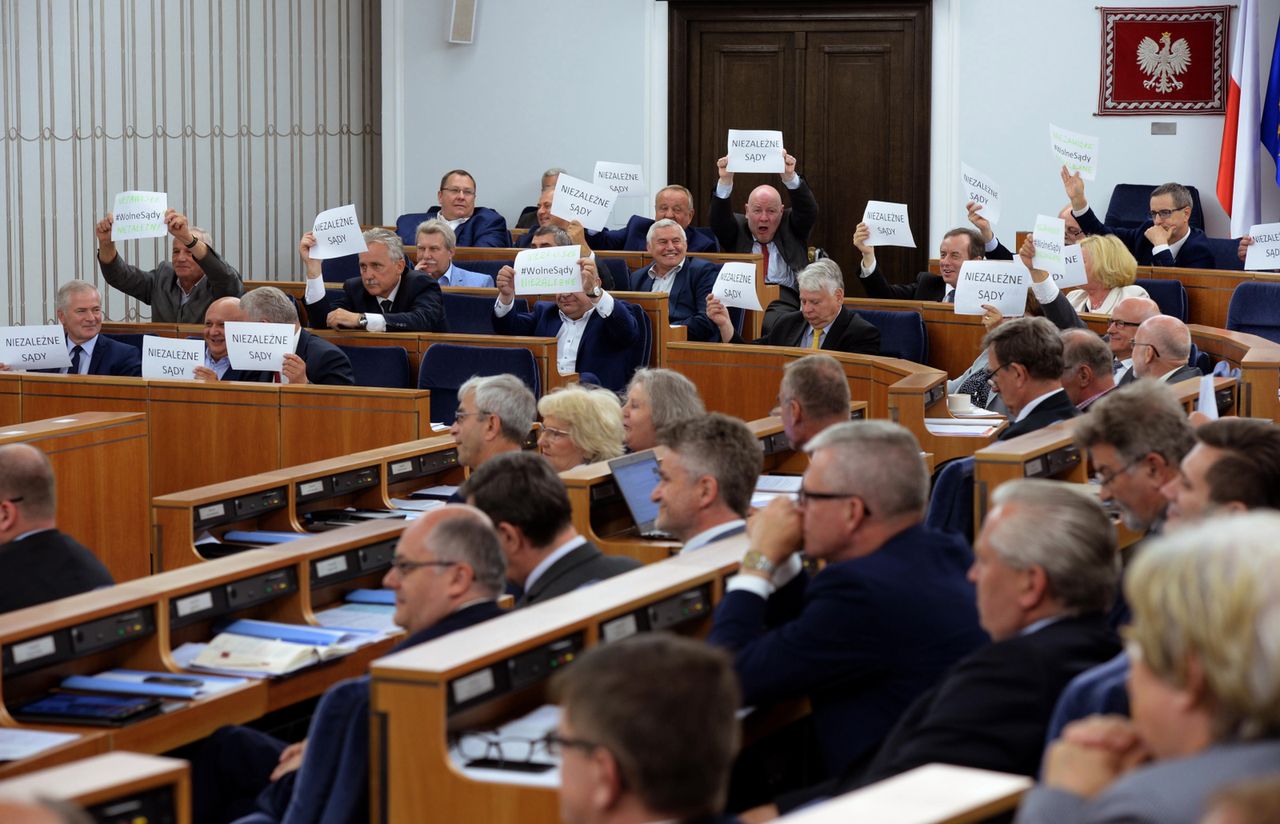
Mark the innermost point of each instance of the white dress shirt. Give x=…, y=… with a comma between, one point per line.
x=373, y=322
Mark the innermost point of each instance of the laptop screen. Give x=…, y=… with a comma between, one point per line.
x=637, y=475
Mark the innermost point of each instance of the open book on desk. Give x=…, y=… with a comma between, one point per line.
x=264, y=648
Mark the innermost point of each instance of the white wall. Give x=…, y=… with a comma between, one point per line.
x=561, y=83
x=1003, y=69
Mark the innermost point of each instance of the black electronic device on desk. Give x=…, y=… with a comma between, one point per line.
x=323, y=520
x=82, y=709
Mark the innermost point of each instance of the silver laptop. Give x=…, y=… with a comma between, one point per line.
x=637, y=475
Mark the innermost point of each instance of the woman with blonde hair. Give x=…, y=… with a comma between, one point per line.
x=1111, y=270
x=579, y=426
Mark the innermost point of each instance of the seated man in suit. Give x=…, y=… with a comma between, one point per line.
x=436, y=244
x=1161, y=348
x=706, y=479
x=38, y=563
x=1025, y=358
x=495, y=414
x=92, y=353
x=531, y=216
x=630, y=752
x=886, y=616
x=823, y=321
x=594, y=332
x=542, y=217
x=1122, y=329
x=1086, y=367
x=687, y=280
x=384, y=298
x=812, y=396
x=447, y=575
x=529, y=507
x=671, y=203
x=1045, y=571
x=180, y=290
x=216, y=361
x=473, y=225
x=1167, y=239
x=958, y=245
x=314, y=360
x=781, y=235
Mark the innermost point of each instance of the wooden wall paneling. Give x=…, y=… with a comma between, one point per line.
x=10, y=397
x=50, y=396
x=319, y=422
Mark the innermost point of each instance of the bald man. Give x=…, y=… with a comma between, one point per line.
x=1122, y=330
x=1161, y=349
x=216, y=360
x=768, y=228
x=672, y=202
x=1086, y=367
x=38, y=563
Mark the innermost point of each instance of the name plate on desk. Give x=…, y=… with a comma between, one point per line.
x=515, y=673
x=33, y=650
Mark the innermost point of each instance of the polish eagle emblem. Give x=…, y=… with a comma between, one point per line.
x=1161, y=63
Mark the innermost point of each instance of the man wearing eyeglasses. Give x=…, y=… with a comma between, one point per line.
x=1129, y=314
x=474, y=226
x=447, y=574
x=38, y=562
x=1161, y=349
x=889, y=613
x=1165, y=239
x=1025, y=359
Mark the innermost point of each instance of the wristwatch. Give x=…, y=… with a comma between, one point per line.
x=363, y=323
x=754, y=559
x=595, y=293
x=192, y=244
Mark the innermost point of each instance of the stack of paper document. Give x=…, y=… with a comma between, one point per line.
x=20, y=743
x=972, y=427
x=248, y=647
x=141, y=682
x=370, y=610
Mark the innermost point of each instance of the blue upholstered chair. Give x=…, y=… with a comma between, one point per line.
x=1169, y=295
x=902, y=334
x=382, y=366
x=446, y=366
x=1255, y=309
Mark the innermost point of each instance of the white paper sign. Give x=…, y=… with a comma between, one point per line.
x=979, y=188
x=548, y=271
x=736, y=286
x=172, y=358
x=337, y=234
x=139, y=215
x=1049, y=238
x=259, y=346
x=1079, y=152
x=756, y=150
x=619, y=178
x=999, y=283
x=1208, y=401
x=1264, y=253
x=1072, y=267
x=34, y=347
x=584, y=202
x=888, y=224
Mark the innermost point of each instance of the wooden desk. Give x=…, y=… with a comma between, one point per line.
x=932, y=794
x=1208, y=290
x=954, y=340
x=1258, y=360
x=84, y=745
x=468, y=679
x=140, y=787
x=91, y=452
x=1046, y=453
x=279, y=500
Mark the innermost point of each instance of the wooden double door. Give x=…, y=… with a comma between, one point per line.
x=846, y=83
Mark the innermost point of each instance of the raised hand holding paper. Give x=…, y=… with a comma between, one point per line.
x=548, y=271
x=888, y=224
x=139, y=215
x=173, y=358
x=1264, y=253
x=982, y=190
x=736, y=286
x=619, y=178
x=34, y=347
x=337, y=234
x=1049, y=239
x=756, y=150
x=1072, y=268
x=1079, y=152
x=259, y=346
x=999, y=283
x=584, y=202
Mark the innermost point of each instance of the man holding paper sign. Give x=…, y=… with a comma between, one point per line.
x=594, y=332
x=91, y=353
x=780, y=234
x=314, y=360
x=687, y=280
x=180, y=290
x=1166, y=239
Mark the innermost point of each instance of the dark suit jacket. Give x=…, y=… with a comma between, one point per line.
x=864, y=638
x=418, y=307
x=792, y=237
x=605, y=341
x=326, y=363
x=111, y=357
x=584, y=565
x=928, y=286
x=1195, y=253
x=1184, y=373
x=634, y=237
x=485, y=227
x=1056, y=407
x=687, y=305
x=849, y=333
x=46, y=566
